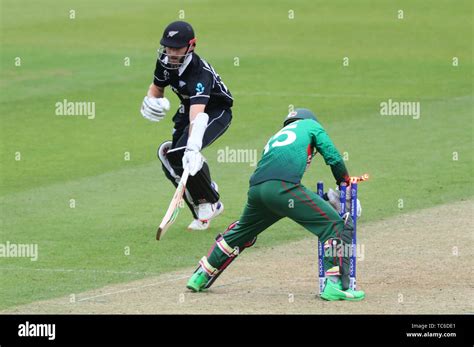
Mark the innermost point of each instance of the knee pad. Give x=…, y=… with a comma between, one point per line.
x=212, y=271
x=246, y=244
x=162, y=156
x=175, y=158
x=340, y=249
x=200, y=186
x=231, y=253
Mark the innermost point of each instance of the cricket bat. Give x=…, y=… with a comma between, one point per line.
x=173, y=208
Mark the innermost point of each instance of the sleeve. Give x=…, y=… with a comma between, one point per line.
x=200, y=88
x=324, y=145
x=159, y=78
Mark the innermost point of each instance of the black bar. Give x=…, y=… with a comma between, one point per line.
x=223, y=329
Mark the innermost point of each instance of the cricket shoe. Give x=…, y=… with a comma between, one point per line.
x=208, y=211
x=333, y=292
x=198, y=281
x=198, y=225
x=203, y=224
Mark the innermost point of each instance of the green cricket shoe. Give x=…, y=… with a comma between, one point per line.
x=333, y=292
x=198, y=280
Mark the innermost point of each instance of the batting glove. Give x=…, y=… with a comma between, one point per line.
x=154, y=109
x=193, y=161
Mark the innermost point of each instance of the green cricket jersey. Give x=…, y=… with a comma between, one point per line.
x=289, y=152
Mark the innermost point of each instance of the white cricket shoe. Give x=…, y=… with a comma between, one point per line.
x=198, y=225
x=208, y=211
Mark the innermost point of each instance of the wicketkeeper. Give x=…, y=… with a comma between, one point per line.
x=276, y=192
x=203, y=116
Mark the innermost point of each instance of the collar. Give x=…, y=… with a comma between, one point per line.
x=185, y=64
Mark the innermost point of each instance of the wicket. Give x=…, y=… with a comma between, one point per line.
x=353, y=212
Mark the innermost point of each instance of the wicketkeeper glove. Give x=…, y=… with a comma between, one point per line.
x=335, y=201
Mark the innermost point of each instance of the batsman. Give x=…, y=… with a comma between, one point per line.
x=204, y=115
x=276, y=192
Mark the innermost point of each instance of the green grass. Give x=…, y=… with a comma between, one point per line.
x=282, y=62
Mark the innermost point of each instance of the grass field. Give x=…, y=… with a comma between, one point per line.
x=109, y=236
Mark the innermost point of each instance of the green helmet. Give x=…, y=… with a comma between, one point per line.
x=299, y=113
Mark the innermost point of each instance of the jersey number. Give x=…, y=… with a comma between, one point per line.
x=290, y=138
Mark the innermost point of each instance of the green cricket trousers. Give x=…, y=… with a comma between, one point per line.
x=272, y=200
